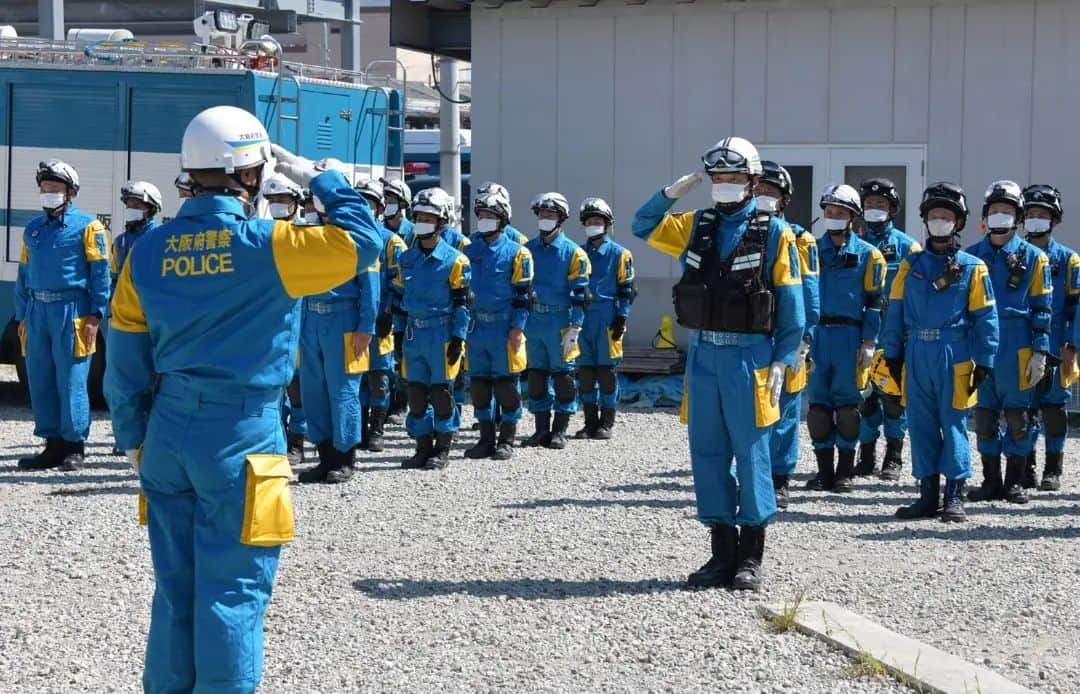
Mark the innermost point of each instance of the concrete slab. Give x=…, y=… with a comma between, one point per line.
x=913, y=662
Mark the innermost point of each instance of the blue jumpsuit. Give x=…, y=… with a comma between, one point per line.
x=560, y=277
x=730, y=413
x=330, y=372
x=852, y=277
x=204, y=314
x=1065, y=276
x=375, y=389
x=941, y=336
x=63, y=279
x=895, y=246
x=123, y=244
x=611, y=283
x=502, y=276
x=784, y=442
x=1024, y=317
x=427, y=284
x=514, y=235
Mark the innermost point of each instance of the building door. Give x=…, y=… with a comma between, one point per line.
x=809, y=169
x=903, y=165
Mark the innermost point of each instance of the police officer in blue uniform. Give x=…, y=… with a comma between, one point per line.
x=491, y=188
x=852, y=278
x=1023, y=289
x=142, y=202
x=611, y=290
x=398, y=198
x=204, y=312
x=773, y=192
x=740, y=295
x=881, y=203
x=61, y=295
x=941, y=335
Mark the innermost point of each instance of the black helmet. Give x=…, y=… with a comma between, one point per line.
x=773, y=173
x=1003, y=191
x=1044, y=196
x=883, y=187
x=947, y=195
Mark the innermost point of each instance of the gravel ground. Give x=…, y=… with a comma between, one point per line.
x=548, y=573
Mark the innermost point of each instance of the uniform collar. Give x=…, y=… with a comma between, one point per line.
x=886, y=231
x=442, y=250
x=742, y=214
x=497, y=243
x=599, y=247
x=1009, y=247
x=848, y=243
x=61, y=219
x=212, y=204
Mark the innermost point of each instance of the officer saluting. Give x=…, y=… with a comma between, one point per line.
x=741, y=296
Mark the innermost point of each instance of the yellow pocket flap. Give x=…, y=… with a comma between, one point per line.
x=1023, y=356
x=964, y=395
x=82, y=349
x=386, y=345
x=795, y=382
x=354, y=364
x=575, y=352
x=765, y=413
x=516, y=359
x=615, y=350
x=269, y=465
x=452, y=370
x=268, y=511
x=1068, y=381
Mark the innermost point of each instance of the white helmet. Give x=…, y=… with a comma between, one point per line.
x=494, y=203
x=279, y=184
x=183, y=182
x=843, y=196
x=224, y=138
x=551, y=201
x=399, y=188
x=493, y=188
x=57, y=170
x=434, y=201
x=143, y=191
x=371, y=188
x=732, y=155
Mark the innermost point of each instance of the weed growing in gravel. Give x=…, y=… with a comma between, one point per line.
x=785, y=621
x=865, y=665
x=910, y=681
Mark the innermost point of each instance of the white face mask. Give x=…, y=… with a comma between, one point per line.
x=1000, y=223
x=728, y=193
x=312, y=218
x=940, y=228
x=1036, y=226
x=836, y=225
x=547, y=225
x=50, y=201
x=767, y=203
x=875, y=216
x=596, y=230
x=487, y=226
x=424, y=229
x=279, y=210
x=391, y=209
x=132, y=214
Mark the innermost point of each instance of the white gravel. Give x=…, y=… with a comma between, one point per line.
x=549, y=573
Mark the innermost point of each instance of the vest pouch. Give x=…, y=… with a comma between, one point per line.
x=761, y=307
x=693, y=304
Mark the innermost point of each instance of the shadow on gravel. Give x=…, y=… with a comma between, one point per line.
x=601, y=503
x=655, y=487
x=522, y=589
x=671, y=473
x=45, y=477
x=968, y=534
x=790, y=516
x=96, y=491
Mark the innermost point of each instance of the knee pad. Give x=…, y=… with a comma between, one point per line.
x=442, y=400
x=848, y=421
x=608, y=380
x=986, y=424
x=1017, y=422
x=891, y=405
x=819, y=422
x=507, y=394
x=587, y=378
x=537, y=384
x=1055, y=421
x=869, y=406
x=418, y=399
x=293, y=391
x=565, y=391
x=378, y=384
x=480, y=390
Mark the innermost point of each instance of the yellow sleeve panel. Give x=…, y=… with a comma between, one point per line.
x=464, y=242
x=579, y=265
x=457, y=273
x=672, y=234
x=113, y=255
x=915, y=248
x=1072, y=269
x=312, y=259
x=897, y=292
x=626, y=268
x=127, y=311
x=805, y=241
x=398, y=281
x=394, y=249
x=783, y=272
x=96, y=241
x=874, y=278
x=23, y=257
x=523, y=266
x=374, y=267
x=979, y=296
x=1040, y=283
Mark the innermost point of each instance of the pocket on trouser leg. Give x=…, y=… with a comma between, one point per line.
x=356, y=364
x=615, y=347
x=796, y=381
x=575, y=352
x=22, y=339
x=268, y=510
x=516, y=360
x=1023, y=356
x=684, y=406
x=386, y=345
x=964, y=395
x=1066, y=381
x=81, y=350
x=765, y=413
x=144, y=518
x=452, y=369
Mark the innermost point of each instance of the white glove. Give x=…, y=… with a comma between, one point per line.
x=133, y=459
x=569, y=340
x=776, y=381
x=684, y=185
x=800, y=357
x=865, y=356
x=302, y=170
x=1036, y=368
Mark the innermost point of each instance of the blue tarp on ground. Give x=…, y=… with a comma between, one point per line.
x=651, y=391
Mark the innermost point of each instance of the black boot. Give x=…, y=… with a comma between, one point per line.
x=929, y=503
x=826, y=476
x=52, y=456
x=592, y=422
x=376, y=430
x=504, y=447
x=953, y=510
x=74, y=455
x=558, y=431
x=295, y=448
x=751, y=549
x=424, y=446
x=893, y=463
x=990, y=489
x=1051, y=481
x=344, y=466
x=845, y=470
x=780, y=486
x=485, y=447
x=867, y=459
x=1028, y=480
x=327, y=462
x=720, y=569
x=440, y=456
x=542, y=435
x=1014, y=474
x=607, y=423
